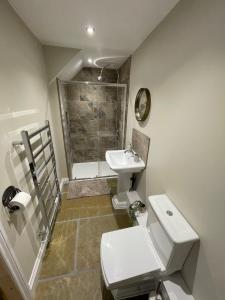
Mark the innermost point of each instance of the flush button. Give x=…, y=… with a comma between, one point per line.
x=169, y=212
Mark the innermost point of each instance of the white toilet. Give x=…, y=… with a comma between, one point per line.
x=132, y=258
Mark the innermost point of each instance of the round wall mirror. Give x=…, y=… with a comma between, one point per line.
x=142, y=104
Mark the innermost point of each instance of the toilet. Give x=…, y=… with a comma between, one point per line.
x=132, y=259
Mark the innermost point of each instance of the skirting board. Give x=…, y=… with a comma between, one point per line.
x=37, y=266
x=63, y=181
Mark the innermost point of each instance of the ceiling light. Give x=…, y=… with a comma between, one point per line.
x=90, y=61
x=90, y=30
x=99, y=78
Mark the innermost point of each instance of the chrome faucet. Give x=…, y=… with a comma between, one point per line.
x=134, y=154
x=129, y=150
x=136, y=157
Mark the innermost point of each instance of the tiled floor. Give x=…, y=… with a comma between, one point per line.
x=71, y=267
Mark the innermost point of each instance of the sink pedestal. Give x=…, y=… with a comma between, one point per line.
x=123, y=198
x=123, y=182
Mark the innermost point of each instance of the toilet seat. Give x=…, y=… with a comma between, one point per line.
x=128, y=256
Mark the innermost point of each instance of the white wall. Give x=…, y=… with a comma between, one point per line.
x=23, y=104
x=57, y=58
x=183, y=64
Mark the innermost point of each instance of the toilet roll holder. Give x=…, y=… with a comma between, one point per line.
x=7, y=197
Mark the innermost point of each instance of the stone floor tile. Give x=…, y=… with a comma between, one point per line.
x=83, y=286
x=90, y=232
x=59, y=257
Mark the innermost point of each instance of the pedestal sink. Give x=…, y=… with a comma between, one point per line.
x=124, y=164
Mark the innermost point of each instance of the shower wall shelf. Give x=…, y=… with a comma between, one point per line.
x=44, y=174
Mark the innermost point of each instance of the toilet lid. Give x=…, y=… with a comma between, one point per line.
x=127, y=254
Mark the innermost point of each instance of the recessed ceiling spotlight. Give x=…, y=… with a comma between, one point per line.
x=90, y=61
x=90, y=30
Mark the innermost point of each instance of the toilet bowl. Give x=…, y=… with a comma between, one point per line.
x=133, y=258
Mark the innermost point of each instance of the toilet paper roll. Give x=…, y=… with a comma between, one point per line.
x=21, y=199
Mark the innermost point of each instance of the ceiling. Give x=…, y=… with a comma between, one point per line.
x=120, y=25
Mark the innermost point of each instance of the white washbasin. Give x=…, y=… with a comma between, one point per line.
x=122, y=162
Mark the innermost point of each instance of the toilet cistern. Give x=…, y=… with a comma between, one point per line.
x=124, y=163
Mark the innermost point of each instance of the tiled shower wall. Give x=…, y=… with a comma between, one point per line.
x=92, y=125
x=94, y=115
x=124, y=77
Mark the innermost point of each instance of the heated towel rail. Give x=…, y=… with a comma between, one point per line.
x=42, y=163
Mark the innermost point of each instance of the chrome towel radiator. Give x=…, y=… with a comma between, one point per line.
x=42, y=165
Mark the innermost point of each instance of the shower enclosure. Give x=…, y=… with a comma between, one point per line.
x=93, y=121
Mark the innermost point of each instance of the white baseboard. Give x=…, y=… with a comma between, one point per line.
x=37, y=267
x=38, y=262
x=63, y=181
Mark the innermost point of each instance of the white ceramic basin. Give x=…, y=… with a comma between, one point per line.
x=122, y=162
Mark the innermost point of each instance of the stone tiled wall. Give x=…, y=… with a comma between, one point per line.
x=140, y=144
x=92, y=116
x=95, y=115
x=91, y=74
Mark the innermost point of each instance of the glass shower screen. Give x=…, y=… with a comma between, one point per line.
x=93, y=120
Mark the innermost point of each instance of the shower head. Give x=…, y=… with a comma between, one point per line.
x=108, y=65
x=100, y=75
